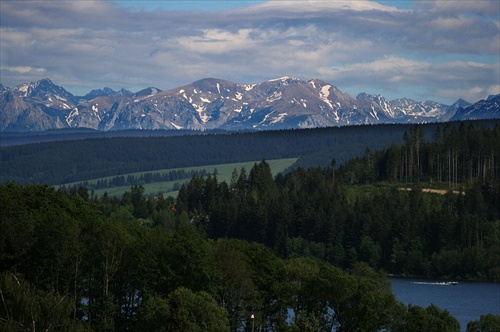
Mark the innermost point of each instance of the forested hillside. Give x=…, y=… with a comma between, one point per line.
x=456, y=155
x=62, y=162
x=70, y=161
x=325, y=213
x=71, y=262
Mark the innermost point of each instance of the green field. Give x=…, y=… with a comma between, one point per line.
x=224, y=172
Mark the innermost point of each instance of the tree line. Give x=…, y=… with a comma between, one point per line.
x=454, y=156
x=133, y=179
x=79, y=263
x=69, y=161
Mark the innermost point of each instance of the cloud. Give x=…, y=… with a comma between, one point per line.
x=474, y=93
x=483, y=8
x=218, y=41
x=314, y=6
x=469, y=80
x=24, y=70
x=440, y=49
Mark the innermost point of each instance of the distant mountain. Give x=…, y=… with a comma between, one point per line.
x=47, y=92
x=106, y=92
x=211, y=103
x=483, y=109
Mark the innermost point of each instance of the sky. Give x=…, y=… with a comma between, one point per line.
x=422, y=49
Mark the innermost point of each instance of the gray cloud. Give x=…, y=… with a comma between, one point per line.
x=443, y=50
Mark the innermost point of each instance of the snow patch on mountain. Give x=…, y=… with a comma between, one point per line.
x=325, y=92
x=71, y=116
x=275, y=96
x=24, y=89
x=279, y=118
x=374, y=113
x=282, y=79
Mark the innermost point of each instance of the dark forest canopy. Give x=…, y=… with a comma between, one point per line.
x=454, y=155
x=79, y=160
x=75, y=263
x=67, y=134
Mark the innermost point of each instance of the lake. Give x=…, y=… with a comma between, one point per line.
x=465, y=301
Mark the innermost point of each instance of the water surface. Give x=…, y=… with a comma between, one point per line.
x=466, y=301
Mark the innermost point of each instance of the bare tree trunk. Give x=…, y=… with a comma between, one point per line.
x=449, y=168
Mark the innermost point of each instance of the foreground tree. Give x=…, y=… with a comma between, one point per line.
x=183, y=310
x=64, y=265
x=189, y=311
x=236, y=290
x=26, y=308
x=431, y=318
x=486, y=323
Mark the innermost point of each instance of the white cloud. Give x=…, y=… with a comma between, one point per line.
x=23, y=69
x=442, y=49
x=473, y=93
x=217, y=41
x=485, y=8
x=305, y=6
x=389, y=72
x=469, y=80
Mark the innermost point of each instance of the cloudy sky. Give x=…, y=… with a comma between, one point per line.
x=436, y=50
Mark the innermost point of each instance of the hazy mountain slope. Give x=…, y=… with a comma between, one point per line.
x=211, y=103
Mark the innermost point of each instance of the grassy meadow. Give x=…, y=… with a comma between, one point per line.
x=224, y=172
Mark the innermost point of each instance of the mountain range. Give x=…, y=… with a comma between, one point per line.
x=282, y=103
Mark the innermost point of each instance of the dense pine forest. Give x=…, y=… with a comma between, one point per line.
x=303, y=251
x=148, y=177
x=69, y=161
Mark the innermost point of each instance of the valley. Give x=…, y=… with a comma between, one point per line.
x=223, y=172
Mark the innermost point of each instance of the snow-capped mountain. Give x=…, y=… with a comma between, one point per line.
x=210, y=103
x=483, y=109
x=48, y=93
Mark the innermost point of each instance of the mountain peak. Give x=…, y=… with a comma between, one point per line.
x=105, y=92
x=364, y=95
x=46, y=91
x=285, y=79
x=210, y=84
x=125, y=92
x=151, y=91
x=109, y=91
x=46, y=80
x=460, y=103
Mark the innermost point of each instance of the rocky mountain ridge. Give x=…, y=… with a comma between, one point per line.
x=282, y=103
